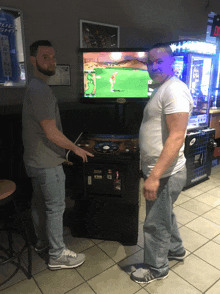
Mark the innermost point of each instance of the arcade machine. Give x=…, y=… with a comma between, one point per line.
x=108, y=208
x=109, y=205
x=194, y=66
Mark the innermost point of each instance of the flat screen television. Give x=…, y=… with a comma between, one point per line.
x=114, y=75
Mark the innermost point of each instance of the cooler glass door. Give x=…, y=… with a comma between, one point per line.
x=198, y=80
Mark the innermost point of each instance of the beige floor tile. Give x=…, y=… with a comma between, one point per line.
x=171, y=285
x=96, y=262
x=192, y=192
x=82, y=289
x=142, y=201
x=204, y=227
x=112, y=281
x=97, y=241
x=196, y=206
x=184, y=216
x=214, y=180
x=215, y=192
x=214, y=289
x=58, y=282
x=208, y=185
x=130, y=264
x=191, y=239
x=27, y=286
x=209, y=199
x=181, y=199
x=117, y=251
x=142, y=214
x=215, y=169
x=217, y=239
x=197, y=272
x=141, y=197
x=216, y=174
x=77, y=244
x=7, y=270
x=140, y=241
x=210, y=253
x=218, y=207
x=173, y=262
x=39, y=261
x=142, y=291
x=213, y=215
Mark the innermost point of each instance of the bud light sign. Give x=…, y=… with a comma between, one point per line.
x=9, y=70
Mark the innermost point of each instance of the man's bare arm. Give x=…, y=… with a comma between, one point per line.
x=58, y=138
x=176, y=123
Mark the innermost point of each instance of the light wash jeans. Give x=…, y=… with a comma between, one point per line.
x=161, y=233
x=48, y=205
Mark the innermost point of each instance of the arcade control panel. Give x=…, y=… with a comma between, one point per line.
x=107, y=147
x=114, y=169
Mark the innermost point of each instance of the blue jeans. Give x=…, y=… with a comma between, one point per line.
x=48, y=205
x=161, y=233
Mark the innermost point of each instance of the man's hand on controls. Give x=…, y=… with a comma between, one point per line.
x=68, y=162
x=82, y=153
x=151, y=186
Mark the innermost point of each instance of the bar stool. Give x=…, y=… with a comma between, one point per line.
x=9, y=208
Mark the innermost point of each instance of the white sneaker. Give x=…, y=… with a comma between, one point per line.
x=68, y=259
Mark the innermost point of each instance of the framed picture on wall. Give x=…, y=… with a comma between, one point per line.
x=98, y=35
x=61, y=77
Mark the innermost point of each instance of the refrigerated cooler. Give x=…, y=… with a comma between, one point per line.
x=194, y=66
x=199, y=147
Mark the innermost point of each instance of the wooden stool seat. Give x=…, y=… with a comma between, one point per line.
x=6, y=188
x=10, y=254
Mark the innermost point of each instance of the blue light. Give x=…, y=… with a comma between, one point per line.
x=193, y=47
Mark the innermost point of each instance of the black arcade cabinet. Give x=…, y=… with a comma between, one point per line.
x=108, y=208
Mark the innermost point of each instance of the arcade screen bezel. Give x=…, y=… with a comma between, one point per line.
x=107, y=100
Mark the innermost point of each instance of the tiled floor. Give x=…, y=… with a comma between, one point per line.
x=108, y=263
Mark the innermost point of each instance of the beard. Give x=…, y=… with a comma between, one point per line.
x=46, y=72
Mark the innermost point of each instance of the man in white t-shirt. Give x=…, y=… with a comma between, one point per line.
x=161, y=139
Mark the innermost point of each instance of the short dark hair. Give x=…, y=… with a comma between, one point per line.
x=166, y=46
x=35, y=45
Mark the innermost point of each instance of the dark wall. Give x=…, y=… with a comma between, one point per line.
x=141, y=23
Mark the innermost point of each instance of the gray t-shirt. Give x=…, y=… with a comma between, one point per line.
x=171, y=97
x=39, y=104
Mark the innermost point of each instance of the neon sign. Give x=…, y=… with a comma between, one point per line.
x=193, y=47
x=217, y=31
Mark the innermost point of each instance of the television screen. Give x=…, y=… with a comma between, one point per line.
x=115, y=74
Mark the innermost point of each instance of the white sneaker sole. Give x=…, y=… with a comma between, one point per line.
x=63, y=266
x=159, y=278
x=40, y=250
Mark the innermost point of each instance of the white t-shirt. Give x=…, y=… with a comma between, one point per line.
x=172, y=96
